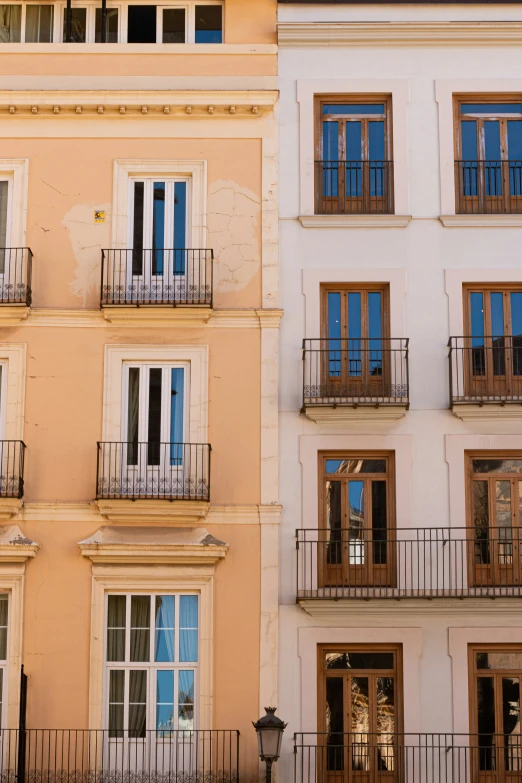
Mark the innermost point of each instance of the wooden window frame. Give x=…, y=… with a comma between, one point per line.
x=369, y=573
x=343, y=98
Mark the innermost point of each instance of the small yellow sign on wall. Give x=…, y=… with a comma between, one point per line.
x=99, y=217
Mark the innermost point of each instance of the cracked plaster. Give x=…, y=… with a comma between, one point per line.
x=82, y=230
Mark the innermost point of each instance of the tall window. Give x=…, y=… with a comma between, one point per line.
x=357, y=512
x=496, y=511
x=360, y=707
x=4, y=618
x=495, y=674
x=152, y=652
x=353, y=155
x=489, y=155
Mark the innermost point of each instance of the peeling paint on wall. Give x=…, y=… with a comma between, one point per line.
x=87, y=239
x=233, y=233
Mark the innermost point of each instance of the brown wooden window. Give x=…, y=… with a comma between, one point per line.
x=357, y=512
x=360, y=708
x=495, y=675
x=354, y=172
x=495, y=512
x=488, y=154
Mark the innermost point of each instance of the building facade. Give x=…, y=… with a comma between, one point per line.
x=138, y=357
x=400, y=430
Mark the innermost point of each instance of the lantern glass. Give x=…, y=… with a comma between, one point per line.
x=269, y=740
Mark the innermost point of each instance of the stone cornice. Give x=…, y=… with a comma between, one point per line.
x=216, y=50
x=132, y=318
x=326, y=35
x=380, y=609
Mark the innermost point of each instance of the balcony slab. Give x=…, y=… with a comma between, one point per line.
x=510, y=411
x=157, y=315
x=354, y=221
x=333, y=610
x=13, y=314
x=345, y=413
x=180, y=512
x=9, y=507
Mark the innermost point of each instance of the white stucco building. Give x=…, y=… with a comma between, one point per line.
x=401, y=455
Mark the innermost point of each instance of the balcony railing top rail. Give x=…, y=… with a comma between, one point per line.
x=355, y=371
x=354, y=187
x=134, y=470
x=485, y=369
x=429, y=563
x=15, y=276
x=488, y=186
x=161, y=276
x=12, y=458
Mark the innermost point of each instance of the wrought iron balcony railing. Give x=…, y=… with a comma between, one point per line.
x=157, y=277
x=354, y=187
x=336, y=757
x=409, y=563
x=488, y=186
x=15, y=275
x=485, y=369
x=165, y=471
x=12, y=455
x=134, y=755
x=355, y=372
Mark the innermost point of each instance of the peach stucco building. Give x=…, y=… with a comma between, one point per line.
x=138, y=396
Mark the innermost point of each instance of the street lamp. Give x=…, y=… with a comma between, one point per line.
x=269, y=731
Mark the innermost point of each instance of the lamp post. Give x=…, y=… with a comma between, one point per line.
x=269, y=730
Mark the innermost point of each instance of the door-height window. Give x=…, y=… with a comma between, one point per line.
x=151, y=660
x=357, y=512
x=360, y=708
x=495, y=676
x=190, y=22
x=488, y=154
x=353, y=155
x=4, y=636
x=495, y=503
x=494, y=340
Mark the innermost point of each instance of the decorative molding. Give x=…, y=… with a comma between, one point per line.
x=216, y=50
x=325, y=35
x=183, y=512
x=15, y=547
x=354, y=221
x=121, y=315
x=345, y=414
x=9, y=508
x=511, y=411
x=226, y=319
x=379, y=609
x=481, y=221
x=12, y=315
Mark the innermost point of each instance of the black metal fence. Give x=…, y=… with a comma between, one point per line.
x=354, y=187
x=15, y=275
x=90, y=756
x=337, y=757
x=12, y=455
x=488, y=186
x=485, y=369
x=157, y=277
x=168, y=471
x=358, y=371
x=409, y=563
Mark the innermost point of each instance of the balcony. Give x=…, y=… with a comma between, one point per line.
x=485, y=375
x=488, y=187
x=406, y=758
x=408, y=563
x=355, y=379
x=153, y=480
x=354, y=187
x=161, y=756
x=143, y=284
x=15, y=283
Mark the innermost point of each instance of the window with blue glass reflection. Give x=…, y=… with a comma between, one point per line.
x=495, y=332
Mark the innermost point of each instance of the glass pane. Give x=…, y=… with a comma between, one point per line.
x=469, y=140
x=379, y=515
x=491, y=108
x=486, y=722
x=164, y=643
x=116, y=705
x=497, y=466
x=375, y=333
x=360, y=660
x=4, y=196
x=133, y=413
x=334, y=723
x=154, y=422
x=10, y=23
x=39, y=23
x=514, y=153
x=158, y=227
x=478, y=357
x=330, y=165
x=78, y=25
x=356, y=466
x=354, y=171
x=354, y=334
x=516, y=330
x=333, y=522
x=4, y=604
x=209, y=24
x=176, y=415
x=386, y=722
x=492, y=170
x=165, y=701
x=334, y=331
x=354, y=108
x=188, y=628
x=1, y=692
x=481, y=522
x=186, y=701
x=174, y=25
x=497, y=330
x=511, y=723
x=180, y=226
x=504, y=521
x=111, y=30
x=137, y=704
x=376, y=153
x=137, y=230
x=141, y=24
x=116, y=605
x=140, y=628
x=356, y=522
x=501, y=660
x=360, y=722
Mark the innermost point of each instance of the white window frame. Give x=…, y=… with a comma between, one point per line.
x=90, y=32
x=150, y=666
